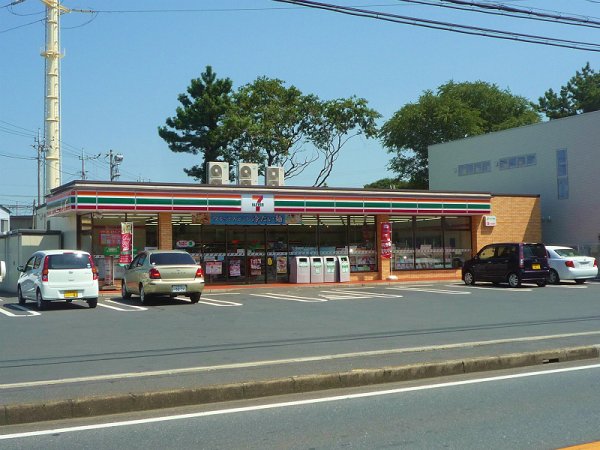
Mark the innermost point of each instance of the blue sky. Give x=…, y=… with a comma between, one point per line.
x=122, y=73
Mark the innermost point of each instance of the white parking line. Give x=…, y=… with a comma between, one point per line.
x=430, y=290
x=567, y=286
x=491, y=287
x=214, y=302
x=349, y=295
x=134, y=308
x=292, y=298
x=29, y=312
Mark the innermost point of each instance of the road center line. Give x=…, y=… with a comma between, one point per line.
x=310, y=401
x=276, y=362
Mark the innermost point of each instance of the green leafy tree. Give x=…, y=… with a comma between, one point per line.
x=580, y=95
x=456, y=111
x=389, y=183
x=197, y=125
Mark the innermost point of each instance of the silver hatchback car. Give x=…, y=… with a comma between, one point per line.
x=163, y=272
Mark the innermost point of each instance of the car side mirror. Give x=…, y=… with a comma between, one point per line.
x=21, y=268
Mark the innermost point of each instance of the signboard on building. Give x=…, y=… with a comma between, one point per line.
x=386, y=240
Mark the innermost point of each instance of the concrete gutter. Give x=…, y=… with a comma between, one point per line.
x=11, y=414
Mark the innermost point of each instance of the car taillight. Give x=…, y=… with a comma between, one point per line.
x=199, y=273
x=45, y=270
x=569, y=263
x=94, y=268
x=154, y=274
x=521, y=258
x=595, y=263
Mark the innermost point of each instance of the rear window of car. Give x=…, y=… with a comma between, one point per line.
x=566, y=252
x=164, y=259
x=69, y=261
x=534, y=250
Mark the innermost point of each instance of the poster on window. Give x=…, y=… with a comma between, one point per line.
x=214, y=267
x=126, y=254
x=235, y=268
x=281, y=264
x=386, y=240
x=255, y=266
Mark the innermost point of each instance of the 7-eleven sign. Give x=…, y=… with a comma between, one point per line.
x=258, y=203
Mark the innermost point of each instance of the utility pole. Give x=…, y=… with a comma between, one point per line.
x=40, y=146
x=83, y=158
x=114, y=160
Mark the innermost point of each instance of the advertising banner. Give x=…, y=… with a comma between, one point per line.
x=126, y=255
x=386, y=240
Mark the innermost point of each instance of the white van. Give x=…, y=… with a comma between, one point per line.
x=51, y=275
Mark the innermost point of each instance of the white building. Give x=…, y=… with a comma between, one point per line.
x=4, y=220
x=559, y=160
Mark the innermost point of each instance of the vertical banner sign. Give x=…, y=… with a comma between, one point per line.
x=386, y=240
x=126, y=243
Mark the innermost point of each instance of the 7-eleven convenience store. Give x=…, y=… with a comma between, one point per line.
x=249, y=234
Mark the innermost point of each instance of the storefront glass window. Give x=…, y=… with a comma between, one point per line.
x=333, y=237
x=303, y=236
x=361, y=244
x=457, y=241
x=213, y=250
x=429, y=250
x=403, y=246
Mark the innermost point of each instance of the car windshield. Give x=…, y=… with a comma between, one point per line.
x=534, y=250
x=69, y=261
x=164, y=259
x=566, y=252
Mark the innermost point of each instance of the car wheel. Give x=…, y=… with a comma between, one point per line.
x=143, y=296
x=124, y=293
x=92, y=302
x=541, y=283
x=41, y=303
x=553, y=277
x=20, y=295
x=514, y=280
x=195, y=297
x=469, y=278
x=579, y=281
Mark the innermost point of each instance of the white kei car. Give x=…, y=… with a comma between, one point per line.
x=567, y=264
x=51, y=275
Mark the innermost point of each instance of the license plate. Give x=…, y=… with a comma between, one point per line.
x=178, y=288
x=71, y=294
x=535, y=266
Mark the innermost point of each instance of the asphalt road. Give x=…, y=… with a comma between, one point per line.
x=267, y=333
x=543, y=408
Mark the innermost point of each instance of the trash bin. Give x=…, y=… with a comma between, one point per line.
x=300, y=269
x=316, y=269
x=330, y=274
x=344, y=272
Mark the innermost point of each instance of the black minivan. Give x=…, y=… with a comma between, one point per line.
x=510, y=263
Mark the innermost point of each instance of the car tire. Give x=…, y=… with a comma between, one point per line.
x=124, y=293
x=514, y=280
x=469, y=278
x=541, y=283
x=22, y=299
x=92, y=302
x=553, y=277
x=143, y=296
x=579, y=281
x=195, y=297
x=41, y=303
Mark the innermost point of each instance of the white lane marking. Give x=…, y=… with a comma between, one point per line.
x=134, y=308
x=491, y=287
x=275, y=362
x=358, y=294
x=293, y=298
x=215, y=302
x=430, y=290
x=312, y=401
x=225, y=293
x=567, y=286
x=29, y=312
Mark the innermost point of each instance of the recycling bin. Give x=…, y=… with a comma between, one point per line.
x=330, y=273
x=316, y=269
x=300, y=269
x=344, y=270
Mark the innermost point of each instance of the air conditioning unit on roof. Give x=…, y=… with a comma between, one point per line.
x=274, y=176
x=218, y=172
x=248, y=174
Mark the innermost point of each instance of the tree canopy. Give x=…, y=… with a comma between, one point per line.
x=455, y=111
x=580, y=95
x=264, y=122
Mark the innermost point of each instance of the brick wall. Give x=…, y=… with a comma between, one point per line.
x=165, y=231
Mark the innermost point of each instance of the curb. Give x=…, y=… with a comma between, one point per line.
x=13, y=414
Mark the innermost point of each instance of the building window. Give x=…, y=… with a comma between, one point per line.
x=474, y=168
x=516, y=162
x=562, y=174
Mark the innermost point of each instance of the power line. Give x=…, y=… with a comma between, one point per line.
x=447, y=26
